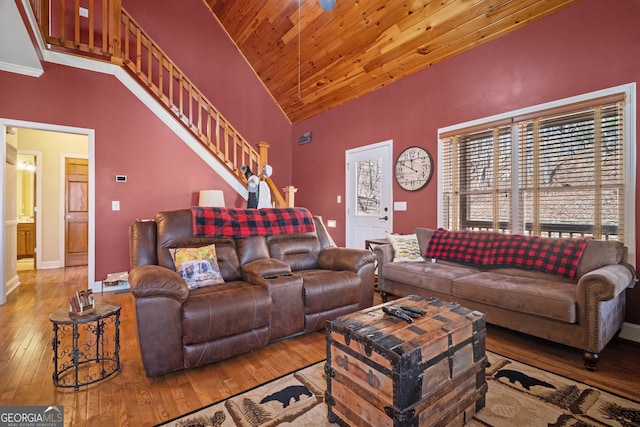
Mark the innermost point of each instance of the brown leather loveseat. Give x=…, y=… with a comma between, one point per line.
x=275, y=286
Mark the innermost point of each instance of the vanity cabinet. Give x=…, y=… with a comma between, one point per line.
x=26, y=239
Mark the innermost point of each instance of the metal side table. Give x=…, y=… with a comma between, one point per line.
x=86, y=348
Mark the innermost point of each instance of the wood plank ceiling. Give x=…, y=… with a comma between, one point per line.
x=361, y=45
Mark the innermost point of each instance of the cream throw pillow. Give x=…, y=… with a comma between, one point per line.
x=405, y=247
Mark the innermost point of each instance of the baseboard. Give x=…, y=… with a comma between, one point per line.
x=12, y=284
x=49, y=264
x=630, y=331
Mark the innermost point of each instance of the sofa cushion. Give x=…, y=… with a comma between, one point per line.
x=228, y=309
x=300, y=251
x=434, y=276
x=252, y=248
x=599, y=253
x=405, y=247
x=327, y=289
x=541, y=297
x=198, y=267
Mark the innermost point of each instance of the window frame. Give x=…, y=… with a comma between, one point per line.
x=574, y=102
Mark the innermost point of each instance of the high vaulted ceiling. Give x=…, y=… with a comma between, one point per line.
x=361, y=45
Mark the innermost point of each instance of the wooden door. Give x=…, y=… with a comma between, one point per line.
x=76, y=211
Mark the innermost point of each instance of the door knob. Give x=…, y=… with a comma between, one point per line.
x=384, y=218
x=70, y=217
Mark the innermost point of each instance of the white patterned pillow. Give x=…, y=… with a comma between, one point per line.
x=405, y=247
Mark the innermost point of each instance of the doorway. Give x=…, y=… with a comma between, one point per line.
x=369, y=193
x=49, y=215
x=26, y=177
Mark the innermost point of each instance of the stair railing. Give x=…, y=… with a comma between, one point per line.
x=105, y=31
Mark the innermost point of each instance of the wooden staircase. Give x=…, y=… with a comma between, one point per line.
x=110, y=34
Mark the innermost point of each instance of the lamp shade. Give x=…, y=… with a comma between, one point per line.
x=211, y=198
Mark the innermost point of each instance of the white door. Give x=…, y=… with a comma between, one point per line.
x=369, y=198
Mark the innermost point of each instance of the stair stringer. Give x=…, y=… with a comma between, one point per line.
x=170, y=119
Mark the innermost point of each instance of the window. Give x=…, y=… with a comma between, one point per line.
x=560, y=169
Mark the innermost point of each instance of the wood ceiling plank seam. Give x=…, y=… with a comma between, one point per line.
x=454, y=26
x=264, y=16
x=366, y=86
x=434, y=20
x=310, y=17
x=257, y=45
x=371, y=41
x=234, y=16
x=332, y=54
x=322, y=65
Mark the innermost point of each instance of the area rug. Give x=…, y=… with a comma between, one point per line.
x=518, y=395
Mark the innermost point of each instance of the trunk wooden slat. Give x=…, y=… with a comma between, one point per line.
x=384, y=371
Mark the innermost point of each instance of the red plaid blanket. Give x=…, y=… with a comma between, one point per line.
x=550, y=255
x=229, y=222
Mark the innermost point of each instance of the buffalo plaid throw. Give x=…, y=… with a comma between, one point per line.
x=550, y=255
x=229, y=222
x=460, y=246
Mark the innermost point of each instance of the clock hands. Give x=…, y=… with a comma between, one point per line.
x=408, y=167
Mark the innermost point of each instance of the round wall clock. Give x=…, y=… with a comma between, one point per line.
x=414, y=167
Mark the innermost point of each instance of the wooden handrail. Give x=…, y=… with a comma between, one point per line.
x=110, y=33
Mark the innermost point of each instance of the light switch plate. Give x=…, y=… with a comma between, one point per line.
x=399, y=206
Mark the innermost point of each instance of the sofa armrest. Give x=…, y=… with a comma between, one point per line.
x=384, y=253
x=156, y=281
x=263, y=268
x=334, y=258
x=601, y=304
x=605, y=283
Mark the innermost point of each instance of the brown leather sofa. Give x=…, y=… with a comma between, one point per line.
x=584, y=312
x=275, y=287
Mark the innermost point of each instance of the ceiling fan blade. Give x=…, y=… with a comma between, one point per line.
x=327, y=4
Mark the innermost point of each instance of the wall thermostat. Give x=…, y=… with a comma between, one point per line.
x=121, y=178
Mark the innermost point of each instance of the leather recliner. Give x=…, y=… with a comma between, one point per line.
x=275, y=287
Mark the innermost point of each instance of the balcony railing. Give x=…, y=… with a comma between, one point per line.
x=109, y=33
x=549, y=229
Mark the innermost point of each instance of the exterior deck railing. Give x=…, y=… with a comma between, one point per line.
x=549, y=229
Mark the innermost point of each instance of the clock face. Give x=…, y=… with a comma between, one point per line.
x=414, y=167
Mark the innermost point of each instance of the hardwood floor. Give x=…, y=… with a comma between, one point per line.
x=131, y=399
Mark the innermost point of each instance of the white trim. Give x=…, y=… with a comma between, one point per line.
x=12, y=284
x=90, y=133
x=629, y=91
x=21, y=69
x=630, y=331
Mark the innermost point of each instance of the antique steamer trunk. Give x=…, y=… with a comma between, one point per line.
x=383, y=371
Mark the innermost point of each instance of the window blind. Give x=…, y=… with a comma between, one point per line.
x=559, y=173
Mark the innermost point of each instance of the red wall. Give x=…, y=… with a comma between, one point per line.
x=163, y=173
x=190, y=35
x=590, y=46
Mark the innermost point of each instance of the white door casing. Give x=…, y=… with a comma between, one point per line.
x=369, y=193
